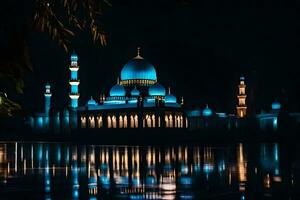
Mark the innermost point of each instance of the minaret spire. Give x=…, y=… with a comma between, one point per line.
x=74, y=82
x=47, y=95
x=138, y=51
x=169, y=90
x=241, y=108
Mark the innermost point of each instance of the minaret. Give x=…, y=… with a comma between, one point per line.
x=47, y=95
x=74, y=82
x=241, y=108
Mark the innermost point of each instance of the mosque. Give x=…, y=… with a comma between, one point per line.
x=139, y=101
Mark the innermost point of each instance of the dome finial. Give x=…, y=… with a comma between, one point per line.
x=138, y=51
x=138, y=56
x=118, y=81
x=169, y=90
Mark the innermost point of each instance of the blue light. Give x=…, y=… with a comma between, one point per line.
x=135, y=92
x=275, y=123
x=58, y=155
x=48, y=86
x=92, y=102
x=74, y=57
x=186, y=180
x=105, y=181
x=197, y=168
x=150, y=180
x=133, y=101
x=170, y=99
x=138, y=69
x=208, y=168
x=221, y=115
x=186, y=196
x=135, y=181
x=74, y=89
x=194, y=113
x=75, y=193
x=136, y=196
x=114, y=102
x=207, y=111
x=39, y=122
x=74, y=103
x=157, y=90
x=73, y=75
x=117, y=90
x=276, y=105
x=221, y=166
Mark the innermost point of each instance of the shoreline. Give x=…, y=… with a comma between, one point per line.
x=152, y=137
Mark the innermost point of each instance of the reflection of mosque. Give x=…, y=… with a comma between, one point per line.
x=136, y=172
x=137, y=100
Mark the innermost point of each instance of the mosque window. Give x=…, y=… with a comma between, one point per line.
x=167, y=121
x=170, y=121
x=83, y=121
x=109, y=122
x=99, y=121
x=153, y=121
x=114, y=121
x=120, y=121
x=136, y=121
x=131, y=121
x=91, y=122
x=125, y=121
x=148, y=119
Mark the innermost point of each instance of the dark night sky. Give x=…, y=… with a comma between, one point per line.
x=199, y=49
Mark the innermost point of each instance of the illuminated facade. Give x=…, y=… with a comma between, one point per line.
x=138, y=100
x=241, y=108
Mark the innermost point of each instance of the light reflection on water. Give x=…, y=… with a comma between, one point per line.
x=62, y=171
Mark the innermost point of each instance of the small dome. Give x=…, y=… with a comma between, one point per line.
x=157, y=90
x=169, y=98
x=135, y=92
x=117, y=91
x=276, y=105
x=207, y=111
x=74, y=57
x=91, y=102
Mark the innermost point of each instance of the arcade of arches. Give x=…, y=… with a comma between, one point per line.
x=148, y=120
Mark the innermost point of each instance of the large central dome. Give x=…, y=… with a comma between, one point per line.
x=138, y=71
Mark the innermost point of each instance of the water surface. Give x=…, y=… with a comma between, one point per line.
x=53, y=171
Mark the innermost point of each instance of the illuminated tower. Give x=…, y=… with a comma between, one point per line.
x=47, y=95
x=241, y=108
x=74, y=82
